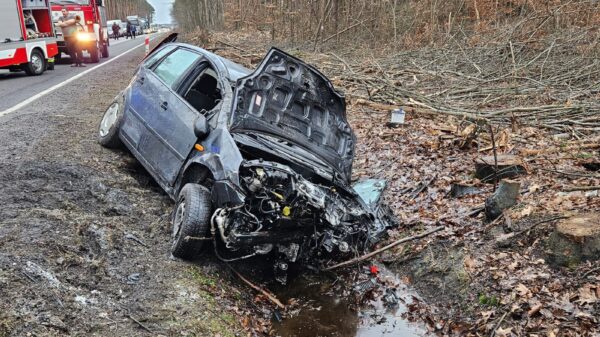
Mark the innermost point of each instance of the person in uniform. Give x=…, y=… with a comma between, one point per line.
x=68, y=23
x=128, y=30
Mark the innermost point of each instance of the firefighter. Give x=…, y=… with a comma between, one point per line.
x=128, y=30
x=115, y=29
x=69, y=26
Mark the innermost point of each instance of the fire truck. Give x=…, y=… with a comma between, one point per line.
x=27, y=38
x=94, y=35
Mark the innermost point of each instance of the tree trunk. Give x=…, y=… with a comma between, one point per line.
x=505, y=197
x=509, y=166
x=574, y=240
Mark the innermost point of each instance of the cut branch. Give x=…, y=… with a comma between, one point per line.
x=383, y=249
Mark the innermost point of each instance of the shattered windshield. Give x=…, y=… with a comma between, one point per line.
x=71, y=2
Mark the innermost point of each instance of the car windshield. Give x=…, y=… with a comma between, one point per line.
x=71, y=2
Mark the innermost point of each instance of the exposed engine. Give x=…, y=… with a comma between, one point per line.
x=293, y=218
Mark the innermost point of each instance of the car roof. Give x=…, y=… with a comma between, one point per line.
x=230, y=69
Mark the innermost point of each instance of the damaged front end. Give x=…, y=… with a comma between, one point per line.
x=294, y=219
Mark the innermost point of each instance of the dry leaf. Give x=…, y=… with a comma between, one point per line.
x=522, y=289
x=504, y=332
x=587, y=295
x=470, y=264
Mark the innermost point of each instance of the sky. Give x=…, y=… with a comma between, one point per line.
x=163, y=10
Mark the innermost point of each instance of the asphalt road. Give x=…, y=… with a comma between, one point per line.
x=18, y=87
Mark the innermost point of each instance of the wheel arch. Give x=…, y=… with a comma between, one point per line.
x=39, y=45
x=197, y=173
x=43, y=50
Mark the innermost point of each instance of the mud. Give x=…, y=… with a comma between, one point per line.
x=84, y=240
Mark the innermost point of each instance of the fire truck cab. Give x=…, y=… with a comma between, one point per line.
x=27, y=38
x=94, y=35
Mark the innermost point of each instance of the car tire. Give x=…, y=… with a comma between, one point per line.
x=108, y=130
x=191, y=218
x=36, y=65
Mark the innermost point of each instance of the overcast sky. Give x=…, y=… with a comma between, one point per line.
x=163, y=10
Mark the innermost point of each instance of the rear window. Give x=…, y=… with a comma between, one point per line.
x=174, y=66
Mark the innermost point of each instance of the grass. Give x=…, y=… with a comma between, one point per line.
x=489, y=300
x=202, y=278
x=215, y=320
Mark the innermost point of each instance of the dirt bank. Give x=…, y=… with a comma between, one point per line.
x=84, y=237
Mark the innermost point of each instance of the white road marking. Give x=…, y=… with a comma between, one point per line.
x=60, y=85
x=117, y=42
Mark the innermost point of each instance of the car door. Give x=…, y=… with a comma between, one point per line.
x=169, y=122
x=141, y=100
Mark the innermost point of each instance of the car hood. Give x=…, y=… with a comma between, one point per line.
x=287, y=99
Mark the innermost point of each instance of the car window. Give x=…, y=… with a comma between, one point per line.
x=172, y=67
x=158, y=55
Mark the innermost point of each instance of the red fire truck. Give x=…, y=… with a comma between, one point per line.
x=27, y=38
x=94, y=38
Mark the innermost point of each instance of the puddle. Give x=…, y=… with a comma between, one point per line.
x=322, y=312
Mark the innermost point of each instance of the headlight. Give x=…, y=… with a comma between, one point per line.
x=86, y=37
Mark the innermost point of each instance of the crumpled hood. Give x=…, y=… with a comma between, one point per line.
x=292, y=101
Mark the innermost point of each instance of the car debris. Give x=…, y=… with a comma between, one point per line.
x=133, y=278
x=397, y=118
x=258, y=161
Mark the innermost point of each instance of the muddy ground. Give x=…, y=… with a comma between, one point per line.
x=84, y=237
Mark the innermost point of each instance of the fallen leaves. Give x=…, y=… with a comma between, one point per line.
x=542, y=301
x=588, y=294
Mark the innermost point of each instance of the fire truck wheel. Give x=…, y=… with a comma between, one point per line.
x=105, y=50
x=94, y=54
x=36, y=64
x=108, y=132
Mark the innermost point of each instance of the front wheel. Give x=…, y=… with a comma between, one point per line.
x=36, y=65
x=108, y=131
x=105, y=53
x=191, y=221
x=94, y=54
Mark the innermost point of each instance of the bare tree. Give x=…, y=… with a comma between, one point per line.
x=120, y=9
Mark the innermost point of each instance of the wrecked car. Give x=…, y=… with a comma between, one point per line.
x=259, y=162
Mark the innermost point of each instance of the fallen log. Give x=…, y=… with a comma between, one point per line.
x=581, y=188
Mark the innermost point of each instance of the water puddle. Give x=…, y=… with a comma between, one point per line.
x=323, y=312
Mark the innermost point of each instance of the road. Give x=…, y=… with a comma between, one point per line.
x=84, y=231
x=18, y=87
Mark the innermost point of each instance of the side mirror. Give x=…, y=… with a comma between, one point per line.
x=201, y=129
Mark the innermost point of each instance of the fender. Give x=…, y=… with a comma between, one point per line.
x=222, y=159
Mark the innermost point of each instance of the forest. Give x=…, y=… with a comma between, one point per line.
x=120, y=9
x=403, y=23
